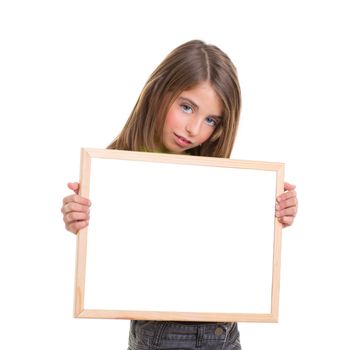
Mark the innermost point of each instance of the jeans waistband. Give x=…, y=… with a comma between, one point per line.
x=157, y=332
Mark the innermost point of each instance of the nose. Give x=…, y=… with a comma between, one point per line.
x=193, y=126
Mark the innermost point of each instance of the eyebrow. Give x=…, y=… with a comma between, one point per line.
x=185, y=99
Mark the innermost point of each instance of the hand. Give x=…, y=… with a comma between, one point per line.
x=75, y=210
x=287, y=205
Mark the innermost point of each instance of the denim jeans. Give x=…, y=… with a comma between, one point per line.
x=159, y=335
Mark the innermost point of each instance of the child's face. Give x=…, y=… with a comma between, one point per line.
x=192, y=118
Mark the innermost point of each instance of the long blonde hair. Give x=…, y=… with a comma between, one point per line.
x=186, y=66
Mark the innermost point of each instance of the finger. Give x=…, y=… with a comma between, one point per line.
x=287, y=212
x=286, y=220
x=77, y=199
x=76, y=226
x=291, y=202
x=74, y=186
x=75, y=216
x=289, y=187
x=73, y=206
x=284, y=196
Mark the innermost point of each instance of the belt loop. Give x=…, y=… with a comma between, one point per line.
x=200, y=335
x=159, y=333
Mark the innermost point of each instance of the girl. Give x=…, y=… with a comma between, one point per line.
x=189, y=105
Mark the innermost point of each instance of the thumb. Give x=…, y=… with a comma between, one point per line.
x=74, y=186
x=289, y=187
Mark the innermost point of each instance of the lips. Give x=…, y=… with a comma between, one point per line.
x=181, y=141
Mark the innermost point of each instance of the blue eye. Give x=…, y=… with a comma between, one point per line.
x=186, y=108
x=211, y=121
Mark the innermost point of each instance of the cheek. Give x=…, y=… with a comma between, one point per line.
x=206, y=133
x=171, y=119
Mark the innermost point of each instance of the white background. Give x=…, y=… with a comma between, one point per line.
x=70, y=72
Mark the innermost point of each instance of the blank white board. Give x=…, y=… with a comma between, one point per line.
x=175, y=237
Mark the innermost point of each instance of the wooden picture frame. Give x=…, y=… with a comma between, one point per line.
x=150, y=262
